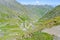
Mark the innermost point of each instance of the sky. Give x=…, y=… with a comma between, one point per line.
x=39, y=2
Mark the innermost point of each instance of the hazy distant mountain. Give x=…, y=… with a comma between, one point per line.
x=37, y=11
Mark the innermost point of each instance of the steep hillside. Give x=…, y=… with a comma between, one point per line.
x=52, y=18
x=12, y=15
x=9, y=9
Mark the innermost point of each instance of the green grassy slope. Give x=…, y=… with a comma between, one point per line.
x=11, y=19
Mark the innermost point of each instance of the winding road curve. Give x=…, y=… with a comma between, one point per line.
x=53, y=31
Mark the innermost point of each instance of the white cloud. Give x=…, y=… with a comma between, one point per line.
x=37, y=2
